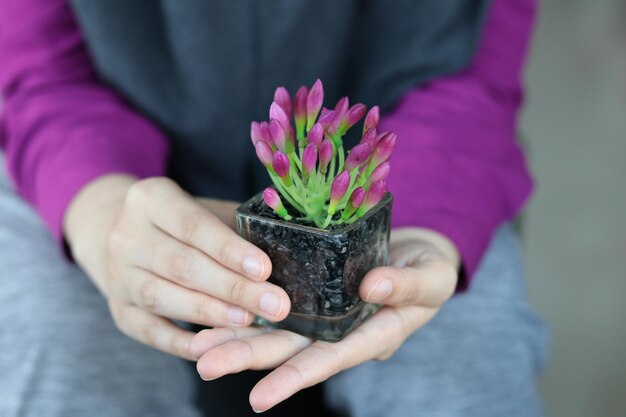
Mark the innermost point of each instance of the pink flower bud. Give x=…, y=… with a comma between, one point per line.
x=341, y=108
x=339, y=186
x=299, y=108
x=369, y=137
x=375, y=193
x=326, y=154
x=283, y=99
x=316, y=135
x=277, y=112
x=357, y=156
x=309, y=158
x=357, y=197
x=266, y=135
x=272, y=199
x=355, y=114
x=279, y=138
x=380, y=173
x=264, y=153
x=281, y=164
x=314, y=102
x=255, y=132
x=384, y=148
x=372, y=119
x=342, y=105
x=327, y=119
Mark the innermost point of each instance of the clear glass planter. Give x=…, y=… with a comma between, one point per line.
x=320, y=270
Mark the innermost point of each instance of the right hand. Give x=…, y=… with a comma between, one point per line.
x=157, y=253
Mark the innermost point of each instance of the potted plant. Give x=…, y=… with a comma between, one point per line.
x=326, y=221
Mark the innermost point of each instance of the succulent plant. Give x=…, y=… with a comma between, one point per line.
x=307, y=163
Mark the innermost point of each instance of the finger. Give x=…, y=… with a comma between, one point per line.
x=428, y=284
x=209, y=338
x=191, y=268
x=264, y=351
x=181, y=216
x=152, y=330
x=322, y=360
x=167, y=299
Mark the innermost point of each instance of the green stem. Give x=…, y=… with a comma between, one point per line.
x=295, y=203
x=327, y=221
x=341, y=158
x=293, y=157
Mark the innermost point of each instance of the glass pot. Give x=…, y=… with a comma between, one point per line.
x=320, y=270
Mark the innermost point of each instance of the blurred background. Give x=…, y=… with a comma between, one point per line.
x=575, y=227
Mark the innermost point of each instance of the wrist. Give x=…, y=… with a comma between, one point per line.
x=89, y=218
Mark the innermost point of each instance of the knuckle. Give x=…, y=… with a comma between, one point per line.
x=150, y=334
x=203, y=310
x=143, y=190
x=147, y=294
x=139, y=191
x=190, y=224
x=180, y=345
x=227, y=251
x=336, y=359
x=179, y=266
x=237, y=291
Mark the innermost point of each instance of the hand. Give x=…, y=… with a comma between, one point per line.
x=422, y=277
x=158, y=254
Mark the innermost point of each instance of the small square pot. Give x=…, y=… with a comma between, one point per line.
x=320, y=270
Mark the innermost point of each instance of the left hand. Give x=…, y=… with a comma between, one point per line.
x=422, y=276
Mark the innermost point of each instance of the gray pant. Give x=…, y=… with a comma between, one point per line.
x=61, y=355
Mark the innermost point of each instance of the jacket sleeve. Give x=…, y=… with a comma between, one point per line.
x=60, y=126
x=458, y=168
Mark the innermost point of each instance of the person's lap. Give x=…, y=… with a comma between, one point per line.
x=60, y=353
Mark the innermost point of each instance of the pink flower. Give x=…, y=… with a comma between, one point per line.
x=326, y=154
x=353, y=115
x=357, y=156
x=277, y=112
x=380, y=173
x=372, y=119
x=375, y=193
x=279, y=138
x=314, y=102
x=384, y=148
x=264, y=153
x=326, y=120
x=341, y=108
x=357, y=197
x=316, y=135
x=339, y=186
x=309, y=158
x=255, y=132
x=271, y=198
x=299, y=109
x=281, y=164
x=283, y=99
x=369, y=137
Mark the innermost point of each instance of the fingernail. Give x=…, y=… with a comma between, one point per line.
x=382, y=289
x=252, y=266
x=270, y=303
x=237, y=316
